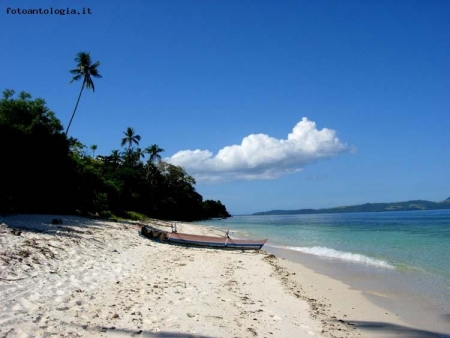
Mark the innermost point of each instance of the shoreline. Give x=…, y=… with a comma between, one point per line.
x=96, y=278
x=418, y=300
x=377, y=313
x=392, y=313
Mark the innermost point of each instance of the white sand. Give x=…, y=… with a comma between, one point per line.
x=92, y=278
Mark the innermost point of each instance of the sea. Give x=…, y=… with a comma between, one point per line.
x=400, y=260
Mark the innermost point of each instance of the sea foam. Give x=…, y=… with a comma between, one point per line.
x=346, y=256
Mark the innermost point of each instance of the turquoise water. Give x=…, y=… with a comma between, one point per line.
x=407, y=253
x=413, y=240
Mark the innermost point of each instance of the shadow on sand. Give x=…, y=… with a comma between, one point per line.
x=69, y=226
x=381, y=329
x=113, y=331
x=392, y=330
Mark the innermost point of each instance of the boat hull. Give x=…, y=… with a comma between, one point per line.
x=206, y=241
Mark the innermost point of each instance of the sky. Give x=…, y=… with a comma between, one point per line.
x=267, y=104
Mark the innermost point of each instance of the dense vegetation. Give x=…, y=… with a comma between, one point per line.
x=45, y=171
x=367, y=207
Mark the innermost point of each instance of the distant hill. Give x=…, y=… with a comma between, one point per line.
x=368, y=207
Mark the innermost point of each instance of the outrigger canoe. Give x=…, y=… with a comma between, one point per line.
x=199, y=240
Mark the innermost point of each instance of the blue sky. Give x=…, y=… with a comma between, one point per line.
x=221, y=85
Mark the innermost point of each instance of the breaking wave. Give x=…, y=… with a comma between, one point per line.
x=346, y=256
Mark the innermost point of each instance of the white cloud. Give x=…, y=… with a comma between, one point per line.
x=260, y=156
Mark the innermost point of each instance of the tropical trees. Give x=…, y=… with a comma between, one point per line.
x=85, y=70
x=154, y=150
x=69, y=180
x=31, y=181
x=115, y=157
x=130, y=138
x=138, y=154
x=75, y=146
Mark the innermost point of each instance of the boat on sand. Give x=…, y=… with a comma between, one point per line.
x=200, y=240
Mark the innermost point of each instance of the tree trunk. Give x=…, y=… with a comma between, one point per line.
x=76, y=106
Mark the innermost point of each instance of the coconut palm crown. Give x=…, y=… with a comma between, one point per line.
x=154, y=151
x=130, y=138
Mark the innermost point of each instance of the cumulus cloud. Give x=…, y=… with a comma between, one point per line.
x=261, y=156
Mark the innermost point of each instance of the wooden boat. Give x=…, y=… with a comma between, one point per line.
x=199, y=240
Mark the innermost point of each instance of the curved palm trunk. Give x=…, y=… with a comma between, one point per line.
x=76, y=106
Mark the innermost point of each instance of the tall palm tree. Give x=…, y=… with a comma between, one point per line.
x=130, y=138
x=85, y=70
x=154, y=151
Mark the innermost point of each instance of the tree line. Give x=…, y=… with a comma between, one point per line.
x=46, y=171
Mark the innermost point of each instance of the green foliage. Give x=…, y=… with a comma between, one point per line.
x=214, y=209
x=130, y=138
x=85, y=70
x=154, y=153
x=106, y=214
x=35, y=155
x=47, y=172
x=135, y=216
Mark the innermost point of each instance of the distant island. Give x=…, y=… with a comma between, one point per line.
x=367, y=207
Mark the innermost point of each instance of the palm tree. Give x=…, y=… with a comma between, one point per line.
x=153, y=151
x=128, y=156
x=93, y=148
x=85, y=70
x=115, y=157
x=139, y=153
x=130, y=138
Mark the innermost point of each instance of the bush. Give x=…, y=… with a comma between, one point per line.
x=106, y=214
x=135, y=216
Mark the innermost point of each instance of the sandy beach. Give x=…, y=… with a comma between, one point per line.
x=96, y=278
